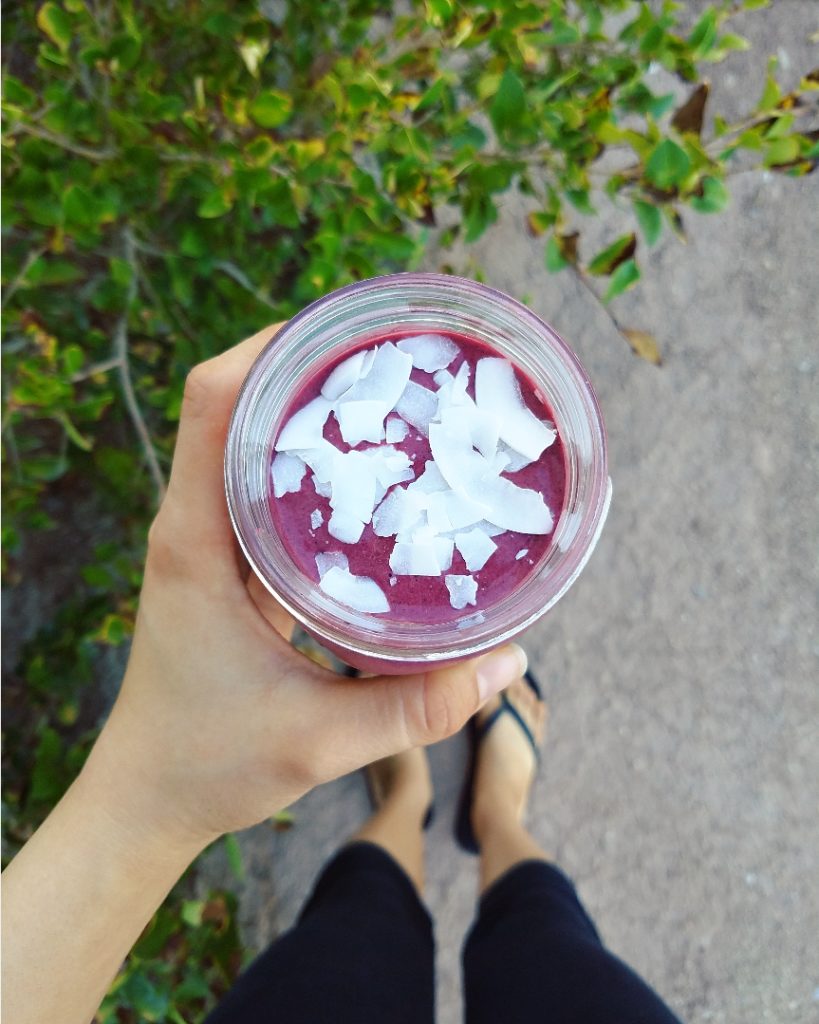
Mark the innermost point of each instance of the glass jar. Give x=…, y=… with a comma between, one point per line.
x=346, y=320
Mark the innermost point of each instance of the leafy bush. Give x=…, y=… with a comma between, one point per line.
x=179, y=175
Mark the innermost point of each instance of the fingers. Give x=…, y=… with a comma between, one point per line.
x=269, y=608
x=196, y=491
x=386, y=714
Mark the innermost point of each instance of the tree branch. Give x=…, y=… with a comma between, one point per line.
x=120, y=356
x=60, y=140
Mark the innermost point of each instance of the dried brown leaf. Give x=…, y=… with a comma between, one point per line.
x=689, y=117
x=643, y=345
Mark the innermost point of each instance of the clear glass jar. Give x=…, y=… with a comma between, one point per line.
x=345, y=320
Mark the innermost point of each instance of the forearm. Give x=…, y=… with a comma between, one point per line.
x=76, y=898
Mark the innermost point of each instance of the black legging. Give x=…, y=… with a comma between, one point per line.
x=362, y=953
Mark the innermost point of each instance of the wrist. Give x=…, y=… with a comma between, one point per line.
x=128, y=793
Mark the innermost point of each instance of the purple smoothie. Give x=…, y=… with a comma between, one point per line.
x=421, y=599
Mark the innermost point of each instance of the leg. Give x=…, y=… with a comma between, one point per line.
x=534, y=953
x=362, y=949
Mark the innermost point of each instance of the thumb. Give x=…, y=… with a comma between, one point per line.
x=394, y=713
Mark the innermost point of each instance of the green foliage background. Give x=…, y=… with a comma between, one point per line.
x=180, y=173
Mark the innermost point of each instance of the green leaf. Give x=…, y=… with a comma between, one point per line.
x=579, y=198
x=508, y=107
x=714, y=196
x=271, y=108
x=234, y=855
x=781, y=151
x=650, y=220
x=668, y=165
x=47, y=783
x=214, y=205
x=704, y=34
x=608, y=259
x=56, y=24
x=191, y=912
x=554, y=258
x=626, y=275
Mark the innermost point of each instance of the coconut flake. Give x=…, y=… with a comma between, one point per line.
x=515, y=508
x=429, y=481
x=415, y=559
x=345, y=527
x=344, y=376
x=320, y=459
x=430, y=352
x=361, y=421
x=357, y=592
x=399, y=512
x=386, y=379
x=442, y=377
x=397, y=430
x=444, y=550
x=316, y=518
x=288, y=472
x=325, y=560
x=521, y=554
x=514, y=461
x=305, y=428
x=475, y=547
x=418, y=406
x=353, y=482
x=497, y=390
x=462, y=590
x=323, y=488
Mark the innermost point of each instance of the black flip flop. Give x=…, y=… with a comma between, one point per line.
x=464, y=833
x=429, y=817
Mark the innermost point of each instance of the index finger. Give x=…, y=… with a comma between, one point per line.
x=196, y=488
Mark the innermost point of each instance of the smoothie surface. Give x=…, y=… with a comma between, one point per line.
x=303, y=514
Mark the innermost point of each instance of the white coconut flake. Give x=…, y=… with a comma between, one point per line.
x=399, y=512
x=320, y=459
x=515, y=508
x=514, y=460
x=353, y=482
x=344, y=376
x=442, y=377
x=386, y=379
x=325, y=560
x=430, y=352
x=444, y=550
x=389, y=465
x=497, y=390
x=489, y=528
x=323, y=488
x=418, y=406
x=316, y=518
x=429, y=481
x=288, y=472
x=361, y=421
x=357, y=592
x=462, y=590
x=415, y=559
x=305, y=428
x=397, y=430
x=521, y=554
x=345, y=528
x=475, y=547
x=462, y=511
x=484, y=429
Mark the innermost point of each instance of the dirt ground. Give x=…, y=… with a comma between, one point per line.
x=679, y=787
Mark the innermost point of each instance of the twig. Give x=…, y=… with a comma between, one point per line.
x=32, y=257
x=241, y=278
x=583, y=279
x=102, y=367
x=63, y=142
x=121, y=359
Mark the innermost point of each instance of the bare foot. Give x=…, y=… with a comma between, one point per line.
x=402, y=782
x=506, y=762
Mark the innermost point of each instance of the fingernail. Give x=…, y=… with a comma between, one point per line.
x=499, y=669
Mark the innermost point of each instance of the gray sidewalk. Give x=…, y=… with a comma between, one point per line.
x=679, y=785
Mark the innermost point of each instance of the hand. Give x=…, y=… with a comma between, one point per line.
x=220, y=722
